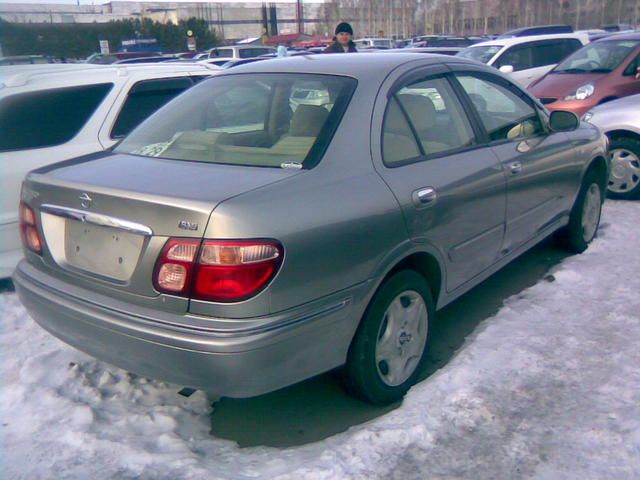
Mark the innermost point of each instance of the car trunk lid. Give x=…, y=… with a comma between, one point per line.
x=105, y=220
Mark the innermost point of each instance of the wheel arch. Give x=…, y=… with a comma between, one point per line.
x=427, y=266
x=599, y=166
x=620, y=133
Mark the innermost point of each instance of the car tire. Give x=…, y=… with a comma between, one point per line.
x=391, y=342
x=624, y=180
x=585, y=216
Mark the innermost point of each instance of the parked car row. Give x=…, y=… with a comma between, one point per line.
x=596, y=81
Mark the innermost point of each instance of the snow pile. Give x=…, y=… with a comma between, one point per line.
x=547, y=388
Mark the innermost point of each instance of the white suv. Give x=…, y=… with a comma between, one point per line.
x=50, y=113
x=526, y=59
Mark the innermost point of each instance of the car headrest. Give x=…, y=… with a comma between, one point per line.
x=307, y=120
x=420, y=109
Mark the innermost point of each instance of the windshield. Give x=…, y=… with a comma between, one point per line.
x=481, y=54
x=598, y=57
x=266, y=120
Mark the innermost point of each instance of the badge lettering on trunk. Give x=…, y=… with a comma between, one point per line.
x=184, y=225
x=85, y=200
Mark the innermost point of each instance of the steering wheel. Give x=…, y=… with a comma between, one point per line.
x=594, y=63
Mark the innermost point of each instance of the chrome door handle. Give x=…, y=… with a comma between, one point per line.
x=515, y=168
x=425, y=195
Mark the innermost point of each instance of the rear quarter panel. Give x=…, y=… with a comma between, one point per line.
x=338, y=222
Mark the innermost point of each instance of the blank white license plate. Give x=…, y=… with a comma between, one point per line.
x=104, y=251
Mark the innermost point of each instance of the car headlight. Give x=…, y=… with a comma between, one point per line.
x=583, y=92
x=587, y=116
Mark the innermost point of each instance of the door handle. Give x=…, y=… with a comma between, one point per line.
x=425, y=195
x=515, y=168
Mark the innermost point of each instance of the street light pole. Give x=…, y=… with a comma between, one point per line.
x=299, y=16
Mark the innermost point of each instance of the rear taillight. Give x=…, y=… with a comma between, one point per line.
x=217, y=270
x=29, y=229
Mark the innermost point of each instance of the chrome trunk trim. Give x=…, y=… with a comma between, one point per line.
x=97, y=219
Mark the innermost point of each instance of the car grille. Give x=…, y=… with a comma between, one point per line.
x=547, y=100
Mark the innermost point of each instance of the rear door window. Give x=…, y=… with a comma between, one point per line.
x=436, y=116
x=145, y=98
x=47, y=117
x=552, y=52
x=429, y=112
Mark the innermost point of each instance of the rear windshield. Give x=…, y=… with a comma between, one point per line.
x=598, y=57
x=266, y=120
x=481, y=54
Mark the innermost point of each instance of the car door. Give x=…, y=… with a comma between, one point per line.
x=540, y=165
x=451, y=188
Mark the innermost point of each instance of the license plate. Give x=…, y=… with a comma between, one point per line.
x=104, y=251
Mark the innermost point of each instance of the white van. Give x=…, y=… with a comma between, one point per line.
x=526, y=59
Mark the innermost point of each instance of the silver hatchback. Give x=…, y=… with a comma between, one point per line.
x=241, y=240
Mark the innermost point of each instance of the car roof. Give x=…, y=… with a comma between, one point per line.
x=621, y=36
x=508, y=42
x=361, y=66
x=50, y=74
x=516, y=31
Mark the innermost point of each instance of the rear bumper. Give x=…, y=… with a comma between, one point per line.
x=233, y=365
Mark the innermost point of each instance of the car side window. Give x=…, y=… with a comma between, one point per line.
x=632, y=68
x=145, y=98
x=519, y=57
x=398, y=141
x=552, y=52
x=47, y=118
x=504, y=114
x=436, y=116
x=430, y=112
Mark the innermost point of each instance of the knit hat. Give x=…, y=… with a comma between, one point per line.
x=344, y=27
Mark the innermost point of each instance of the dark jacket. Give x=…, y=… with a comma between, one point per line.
x=335, y=47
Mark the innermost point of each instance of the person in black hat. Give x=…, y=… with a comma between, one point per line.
x=342, y=42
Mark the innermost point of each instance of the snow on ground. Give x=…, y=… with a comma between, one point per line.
x=547, y=388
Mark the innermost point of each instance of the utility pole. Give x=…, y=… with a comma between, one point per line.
x=299, y=16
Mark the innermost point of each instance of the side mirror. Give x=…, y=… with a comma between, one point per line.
x=638, y=73
x=506, y=69
x=561, y=121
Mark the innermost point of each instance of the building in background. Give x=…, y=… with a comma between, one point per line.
x=388, y=18
x=231, y=21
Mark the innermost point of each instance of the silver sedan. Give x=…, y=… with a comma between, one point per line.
x=620, y=121
x=243, y=239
